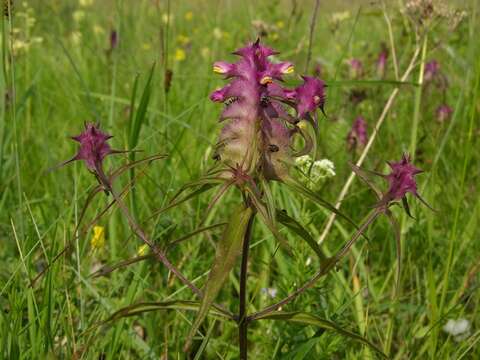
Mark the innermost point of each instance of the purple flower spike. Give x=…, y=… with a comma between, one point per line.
x=113, y=39
x=356, y=68
x=443, y=113
x=358, y=134
x=382, y=63
x=401, y=179
x=310, y=96
x=257, y=136
x=93, y=146
x=432, y=68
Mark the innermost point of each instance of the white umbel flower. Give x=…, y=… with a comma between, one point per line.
x=315, y=170
x=459, y=329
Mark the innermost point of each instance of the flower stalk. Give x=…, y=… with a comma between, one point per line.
x=242, y=313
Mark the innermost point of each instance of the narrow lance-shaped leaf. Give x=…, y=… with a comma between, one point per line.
x=267, y=220
x=298, y=229
x=143, y=307
x=228, y=249
x=136, y=123
x=309, y=319
x=294, y=185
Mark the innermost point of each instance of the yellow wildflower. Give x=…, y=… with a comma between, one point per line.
x=36, y=40
x=78, y=15
x=85, y=2
x=142, y=250
x=180, y=54
x=217, y=33
x=76, y=37
x=98, y=238
x=167, y=19
x=205, y=52
x=189, y=16
x=183, y=40
x=146, y=46
x=98, y=30
x=274, y=36
x=280, y=24
x=19, y=45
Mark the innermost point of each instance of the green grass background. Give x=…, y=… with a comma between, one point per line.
x=51, y=88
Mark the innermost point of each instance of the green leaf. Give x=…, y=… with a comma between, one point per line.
x=135, y=125
x=140, y=114
x=228, y=249
x=318, y=200
x=309, y=319
x=298, y=229
x=143, y=307
x=267, y=220
x=341, y=83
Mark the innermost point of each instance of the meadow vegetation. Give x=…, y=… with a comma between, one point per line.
x=84, y=244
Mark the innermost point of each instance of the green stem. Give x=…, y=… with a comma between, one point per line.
x=242, y=318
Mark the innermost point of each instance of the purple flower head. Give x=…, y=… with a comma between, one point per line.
x=358, y=134
x=310, y=96
x=93, y=146
x=256, y=136
x=432, y=68
x=356, y=68
x=382, y=62
x=401, y=179
x=443, y=113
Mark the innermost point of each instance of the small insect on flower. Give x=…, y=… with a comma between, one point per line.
x=7, y=7
x=98, y=239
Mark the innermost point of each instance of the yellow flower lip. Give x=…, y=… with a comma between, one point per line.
x=266, y=80
x=218, y=70
x=290, y=69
